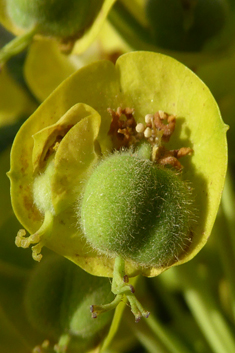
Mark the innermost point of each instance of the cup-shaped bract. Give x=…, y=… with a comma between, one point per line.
x=56, y=150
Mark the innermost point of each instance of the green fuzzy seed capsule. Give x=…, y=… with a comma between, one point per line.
x=60, y=18
x=137, y=210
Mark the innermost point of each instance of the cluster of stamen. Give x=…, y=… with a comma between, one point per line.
x=122, y=128
x=157, y=129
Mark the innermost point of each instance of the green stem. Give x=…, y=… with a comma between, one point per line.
x=223, y=239
x=225, y=236
x=99, y=309
x=159, y=338
x=205, y=310
x=121, y=288
x=16, y=46
x=171, y=341
x=114, y=326
x=181, y=318
x=148, y=339
x=62, y=345
x=228, y=204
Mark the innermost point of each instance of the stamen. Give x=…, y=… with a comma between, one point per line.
x=162, y=114
x=148, y=118
x=148, y=132
x=140, y=127
x=122, y=128
x=158, y=128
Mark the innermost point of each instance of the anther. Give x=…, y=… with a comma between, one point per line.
x=140, y=127
x=148, y=132
x=148, y=118
x=162, y=114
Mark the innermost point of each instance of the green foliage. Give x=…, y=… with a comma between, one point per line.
x=185, y=25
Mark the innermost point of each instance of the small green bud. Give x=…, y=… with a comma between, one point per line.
x=58, y=299
x=57, y=18
x=136, y=209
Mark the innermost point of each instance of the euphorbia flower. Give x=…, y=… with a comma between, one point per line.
x=103, y=107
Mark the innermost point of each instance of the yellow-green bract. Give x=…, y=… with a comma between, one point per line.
x=69, y=132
